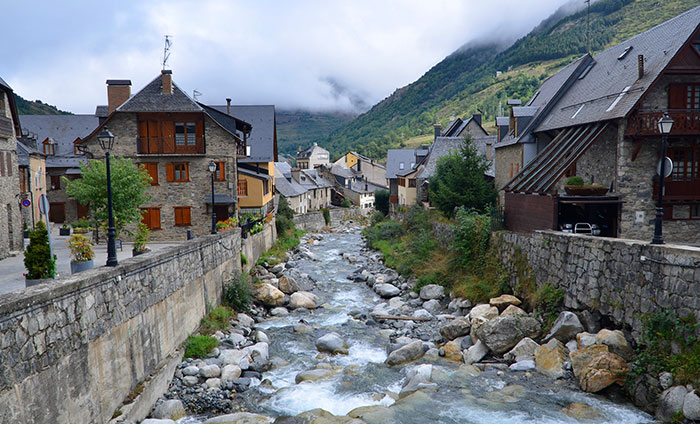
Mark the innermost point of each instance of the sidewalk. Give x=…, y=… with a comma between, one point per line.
x=12, y=268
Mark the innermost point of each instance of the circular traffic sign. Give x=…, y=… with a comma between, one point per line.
x=26, y=203
x=668, y=167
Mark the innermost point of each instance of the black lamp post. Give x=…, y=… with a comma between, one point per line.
x=212, y=170
x=665, y=124
x=106, y=140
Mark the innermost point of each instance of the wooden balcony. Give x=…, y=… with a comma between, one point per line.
x=147, y=145
x=679, y=191
x=685, y=122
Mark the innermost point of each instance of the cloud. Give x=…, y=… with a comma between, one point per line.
x=304, y=54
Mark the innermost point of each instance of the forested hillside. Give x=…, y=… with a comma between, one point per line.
x=466, y=81
x=301, y=128
x=36, y=107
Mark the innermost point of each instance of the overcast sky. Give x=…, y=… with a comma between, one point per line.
x=295, y=53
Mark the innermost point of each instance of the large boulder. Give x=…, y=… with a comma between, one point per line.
x=245, y=320
x=332, y=343
x=407, y=353
x=432, y=291
x=596, y=368
x=502, y=333
x=671, y=403
x=171, y=409
x=550, y=359
x=453, y=350
x=313, y=375
x=456, y=328
x=237, y=357
x=691, y=406
x=582, y=412
x=230, y=372
x=525, y=349
x=210, y=371
x=585, y=339
x=486, y=311
x=475, y=353
x=616, y=343
x=288, y=285
x=302, y=299
x=504, y=300
x=513, y=310
x=240, y=418
x=565, y=328
x=269, y=295
x=386, y=290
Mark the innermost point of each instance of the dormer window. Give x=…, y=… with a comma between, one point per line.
x=401, y=165
x=49, y=147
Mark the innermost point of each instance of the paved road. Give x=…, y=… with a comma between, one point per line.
x=12, y=268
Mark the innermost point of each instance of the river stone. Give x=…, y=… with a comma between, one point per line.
x=422, y=313
x=432, y=306
x=459, y=304
x=386, y=290
x=313, y=375
x=260, y=350
x=235, y=357
x=483, y=311
x=432, y=291
x=261, y=337
x=279, y=311
x=582, y=412
x=476, y=322
x=332, y=343
x=691, y=406
x=277, y=269
x=191, y=370
x=456, y=328
x=302, y=299
x=245, y=320
x=210, y=371
x=513, y=310
x=157, y=421
x=466, y=342
x=616, y=343
x=525, y=349
x=288, y=285
x=523, y=365
x=502, y=333
x=230, y=372
x=373, y=414
x=303, y=328
x=475, y=353
x=268, y=294
x=503, y=301
x=214, y=383
x=596, y=368
x=671, y=403
x=585, y=339
x=666, y=380
x=407, y=353
x=550, y=359
x=240, y=418
x=190, y=380
x=565, y=328
x=453, y=350
x=171, y=409
x=415, y=383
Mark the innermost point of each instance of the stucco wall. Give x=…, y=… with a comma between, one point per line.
x=72, y=350
x=504, y=157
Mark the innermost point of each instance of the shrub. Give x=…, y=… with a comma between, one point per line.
x=141, y=237
x=385, y=230
x=471, y=239
x=574, y=181
x=548, y=300
x=199, y=346
x=326, y=216
x=283, y=224
x=381, y=201
x=218, y=319
x=345, y=203
x=37, y=256
x=377, y=217
x=283, y=208
x=237, y=293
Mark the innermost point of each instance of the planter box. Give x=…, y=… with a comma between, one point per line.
x=139, y=252
x=29, y=283
x=64, y=231
x=585, y=191
x=76, y=267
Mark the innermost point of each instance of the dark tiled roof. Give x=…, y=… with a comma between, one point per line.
x=445, y=145
x=64, y=129
x=5, y=85
x=316, y=178
x=102, y=111
x=611, y=88
x=262, y=137
x=152, y=99
x=23, y=152
x=394, y=158
x=502, y=121
x=284, y=183
x=229, y=123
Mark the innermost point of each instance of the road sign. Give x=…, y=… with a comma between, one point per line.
x=44, y=205
x=26, y=203
x=668, y=167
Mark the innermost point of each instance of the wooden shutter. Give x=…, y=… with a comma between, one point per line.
x=199, y=131
x=168, y=136
x=154, y=137
x=186, y=216
x=182, y=216
x=155, y=218
x=677, y=96
x=146, y=217
x=187, y=171
x=143, y=137
x=8, y=156
x=169, y=172
x=2, y=164
x=152, y=169
x=221, y=173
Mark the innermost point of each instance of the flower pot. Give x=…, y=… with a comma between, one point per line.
x=31, y=282
x=585, y=190
x=140, y=252
x=76, y=267
x=64, y=231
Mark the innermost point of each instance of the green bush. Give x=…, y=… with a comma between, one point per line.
x=548, y=300
x=218, y=319
x=237, y=293
x=345, y=203
x=385, y=230
x=575, y=181
x=199, y=346
x=326, y=216
x=37, y=256
x=377, y=217
x=471, y=239
x=283, y=224
x=381, y=201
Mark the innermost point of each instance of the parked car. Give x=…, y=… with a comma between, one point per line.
x=581, y=228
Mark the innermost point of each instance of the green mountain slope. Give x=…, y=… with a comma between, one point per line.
x=300, y=128
x=465, y=82
x=36, y=107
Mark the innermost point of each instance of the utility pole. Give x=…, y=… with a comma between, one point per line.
x=166, y=50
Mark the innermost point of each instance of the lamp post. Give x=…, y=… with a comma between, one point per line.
x=665, y=124
x=106, y=140
x=212, y=170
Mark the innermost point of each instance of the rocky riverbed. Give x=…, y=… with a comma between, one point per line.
x=336, y=337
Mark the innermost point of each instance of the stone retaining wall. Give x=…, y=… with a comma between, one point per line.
x=72, y=350
x=619, y=278
x=313, y=221
x=256, y=244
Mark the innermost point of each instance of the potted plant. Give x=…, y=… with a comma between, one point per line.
x=64, y=230
x=80, y=226
x=575, y=187
x=37, y=257
x=140, y=240
x=82, y=253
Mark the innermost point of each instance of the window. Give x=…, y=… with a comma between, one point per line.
x=185, y=133
x=151, y=217
x=686, y=163
x=402, y=182
x=220, y=173
x=684, y=96
x=695, y=211
x=401, y=166
x=242, y=188
x=182, y=216
x=49, y=147
x=411, y=182
x=693, y=96
x=266, y=187
x=55, y=182
x=178, y=172
x=152, y=168
x=2, y=164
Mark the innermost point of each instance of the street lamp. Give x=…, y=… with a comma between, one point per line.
x=665, y=124
x=106, y=140
x=212, y=170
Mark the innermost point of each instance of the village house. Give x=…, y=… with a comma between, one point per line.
x=400, y=162
x=305, y=189
x=32, y=180
x=599, y=121
x=312, y=157
x=175, y=138
x=462, y=127
x=10, y=215
x=351, y=185
x=370, y=169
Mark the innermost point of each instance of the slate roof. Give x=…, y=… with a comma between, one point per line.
x=457, y=126
x=64, y=129
x=4, y=84
x=359, y=187
x=284, y=183
x=152, y=99
x=611, y=88
x=445, y=145
x=342, y=171
x=102, y=111
x=502, y=121
x=263, y=137
x=394, y=157
x=23, y=153
x=307, y=153
x=228, y=122
x=317, y=178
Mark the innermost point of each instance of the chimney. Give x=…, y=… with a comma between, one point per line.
x=477, y=117
x=118, y=91
x=512, y=103
x=438, y=130
x=166, y=81
x=296, y=174
x=640, y=65
x=228, y=106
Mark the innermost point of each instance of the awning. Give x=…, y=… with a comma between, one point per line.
x=221, y=199
x=540, y=175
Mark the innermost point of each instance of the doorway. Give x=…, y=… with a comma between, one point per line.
x=221, y=212
x=57, y=212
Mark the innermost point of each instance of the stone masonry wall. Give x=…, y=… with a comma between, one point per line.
x=314, y=221
x=256, y=244
x=608, y=275
x=504, y=157
x=10, y=215
x=72, y=350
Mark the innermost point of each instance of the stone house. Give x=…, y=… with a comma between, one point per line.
x=370, y=169
x=600, y=123
x=10, y=215
x=175, y=138
x=351, y=185
x=312, y=157
x=57, y=137
x=398, y=163
x=462, y=127
x=305, y=189
x=32, y=181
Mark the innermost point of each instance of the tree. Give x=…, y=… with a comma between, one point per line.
x=459, y=181
x=381, y=201
x=37, y=256
x=129, y=186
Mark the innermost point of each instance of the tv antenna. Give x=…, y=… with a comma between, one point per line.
x=588, y=28
x=166, y=50
x=195, y=94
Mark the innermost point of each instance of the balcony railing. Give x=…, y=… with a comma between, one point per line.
x=685, y=122
x=679, y=190
x=166, y=146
